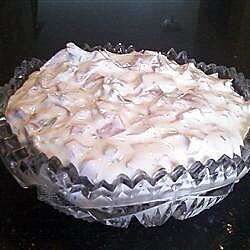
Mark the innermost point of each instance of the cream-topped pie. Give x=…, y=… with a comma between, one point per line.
x=112, y=114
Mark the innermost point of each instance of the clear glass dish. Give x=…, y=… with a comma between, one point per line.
x=151, y=200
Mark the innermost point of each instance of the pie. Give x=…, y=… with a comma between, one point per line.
x=111, y=114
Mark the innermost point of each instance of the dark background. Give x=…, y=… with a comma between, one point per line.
x=211, y=31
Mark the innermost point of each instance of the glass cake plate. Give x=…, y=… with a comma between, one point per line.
x=151, y=200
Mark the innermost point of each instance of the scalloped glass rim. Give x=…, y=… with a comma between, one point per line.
x=31, y=167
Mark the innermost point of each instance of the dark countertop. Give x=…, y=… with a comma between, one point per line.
x=211, y=31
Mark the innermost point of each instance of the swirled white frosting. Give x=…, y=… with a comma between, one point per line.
x=112, y=114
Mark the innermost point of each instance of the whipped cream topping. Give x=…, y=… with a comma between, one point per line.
x=111, y=114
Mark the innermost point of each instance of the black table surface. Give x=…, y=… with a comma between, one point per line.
x=211, y=31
